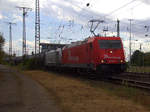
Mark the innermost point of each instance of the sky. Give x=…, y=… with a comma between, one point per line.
x=64, y=21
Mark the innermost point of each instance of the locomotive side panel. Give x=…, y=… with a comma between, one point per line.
x=77, y=56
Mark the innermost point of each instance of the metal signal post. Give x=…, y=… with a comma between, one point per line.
x=118, y=28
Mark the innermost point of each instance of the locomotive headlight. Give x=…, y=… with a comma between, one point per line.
x=102, y=61
x=121, y=61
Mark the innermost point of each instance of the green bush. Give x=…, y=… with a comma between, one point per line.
x=31, y=64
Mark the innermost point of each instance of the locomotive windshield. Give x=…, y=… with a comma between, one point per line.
x=108, y=44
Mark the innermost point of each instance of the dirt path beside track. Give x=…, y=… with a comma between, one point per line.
x=18, y=93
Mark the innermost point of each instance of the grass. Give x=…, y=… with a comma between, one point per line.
x=80, y=95
x=124, y=92
x=142, y=69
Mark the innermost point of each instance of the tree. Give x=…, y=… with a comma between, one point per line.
x=137, y=58
x=147, y=59
x=2, y=40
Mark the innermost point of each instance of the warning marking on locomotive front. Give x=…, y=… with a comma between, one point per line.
x=108, y=57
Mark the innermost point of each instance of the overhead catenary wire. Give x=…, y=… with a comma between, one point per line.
x=86, y=10
x=110, y=13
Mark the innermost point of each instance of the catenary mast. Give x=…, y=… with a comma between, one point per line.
x=10, y=37
x=25, y=11
x=37, y=27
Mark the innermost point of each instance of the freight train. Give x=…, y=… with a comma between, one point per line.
x=97, y=54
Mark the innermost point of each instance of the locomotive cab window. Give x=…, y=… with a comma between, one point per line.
x=109, y=44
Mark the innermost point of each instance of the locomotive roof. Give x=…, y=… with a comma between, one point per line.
x=50, y=46
x=90, y=39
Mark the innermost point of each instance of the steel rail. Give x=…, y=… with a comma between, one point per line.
x=131, y=81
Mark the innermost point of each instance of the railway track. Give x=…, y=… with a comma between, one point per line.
x=137, y=75
x=138, y=80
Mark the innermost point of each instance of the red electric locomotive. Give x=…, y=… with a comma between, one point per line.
x=101, y=54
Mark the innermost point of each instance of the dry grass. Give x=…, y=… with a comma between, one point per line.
x=124, y=92
x=74, y=95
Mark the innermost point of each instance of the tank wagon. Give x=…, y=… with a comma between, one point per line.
x=99, y=54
